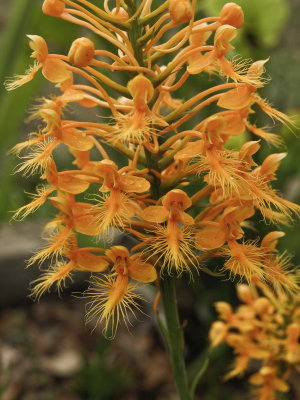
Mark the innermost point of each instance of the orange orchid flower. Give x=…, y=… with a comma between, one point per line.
x=114, y=295
x=173, y=242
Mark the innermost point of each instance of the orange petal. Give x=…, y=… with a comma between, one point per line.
x=271, y=163
x=177, y=196
x=223, y=36
x=55, y=70
x=234, y=124
x=236, y=99
x=70, y=184
x=198, y=63
x=281, y=385
x=61, y=204
x=117, y=252
x=134, y=184
x=187, y=219
x=90, y=262
x=84, y=221
x=271, y=239
x=155, y=214
x=76, y=139
x=142, y=272
x=191, y=150
x=72, y=95
x=39, y=47
x=210, y=237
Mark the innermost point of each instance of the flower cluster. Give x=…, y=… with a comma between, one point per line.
x=168, y=145
x=265, y=328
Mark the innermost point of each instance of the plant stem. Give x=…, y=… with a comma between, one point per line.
x=174, y=339
x=172, y=332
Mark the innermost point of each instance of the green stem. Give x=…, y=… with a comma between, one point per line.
x=175, y=339
x=172, y=332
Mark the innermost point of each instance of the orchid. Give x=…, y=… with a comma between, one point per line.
x=182, y=194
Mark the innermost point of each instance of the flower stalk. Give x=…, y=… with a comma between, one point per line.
x=182, y=193
x=174, y=336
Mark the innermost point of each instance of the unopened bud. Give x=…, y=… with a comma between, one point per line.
x=232, y=14
x=224, y=309
x=180, y=11
x=244, y=293
x=82, y=52
x=217, y=333
x=262, y=306
x=53, y=7
x=120, y=13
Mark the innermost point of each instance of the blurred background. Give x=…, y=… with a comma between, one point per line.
x=46, y=351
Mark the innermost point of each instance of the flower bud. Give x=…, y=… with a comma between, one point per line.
x=180, y=11
x=53, y=7
x=244, y=293
x=224, y=309
x=120, y=13
x=263, y=306
x=232, y=14
x=82, y=52
x=217, y=333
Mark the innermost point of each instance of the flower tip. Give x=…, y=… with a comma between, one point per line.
x=232, y=14
x=54, y=8
x=81, y=52
x=180, y=11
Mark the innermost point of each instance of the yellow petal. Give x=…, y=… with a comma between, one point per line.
x=142, y=272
